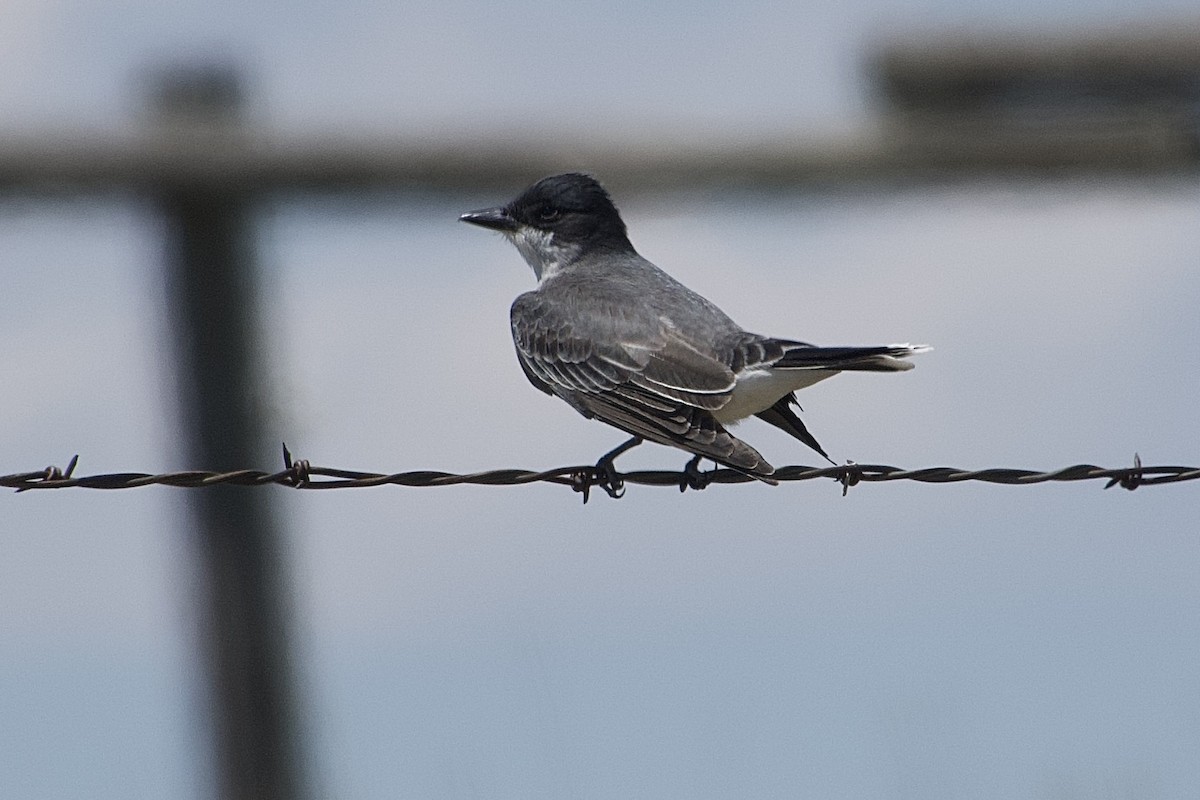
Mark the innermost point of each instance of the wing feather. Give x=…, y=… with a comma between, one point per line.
x=637, y=375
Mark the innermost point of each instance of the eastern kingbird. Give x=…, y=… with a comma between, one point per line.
x=623, y=342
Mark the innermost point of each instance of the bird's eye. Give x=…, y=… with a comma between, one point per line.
x=548, y=213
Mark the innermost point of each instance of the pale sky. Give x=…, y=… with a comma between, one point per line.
x=904, y=641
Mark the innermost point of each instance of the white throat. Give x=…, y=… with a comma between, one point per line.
x=542, y=252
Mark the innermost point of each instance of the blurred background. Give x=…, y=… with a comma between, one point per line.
x=227, y=226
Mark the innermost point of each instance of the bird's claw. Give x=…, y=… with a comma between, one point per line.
x=605, y=474
x=693, y=478
x=608, y=479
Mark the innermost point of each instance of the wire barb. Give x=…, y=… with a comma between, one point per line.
x=50, y=474
x=1130, y=481
x=850, y=476
x=301, y=474
x=297, y=471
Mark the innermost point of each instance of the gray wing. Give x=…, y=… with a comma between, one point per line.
x=633, y=372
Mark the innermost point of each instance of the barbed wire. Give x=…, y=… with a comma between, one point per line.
x=301, y=474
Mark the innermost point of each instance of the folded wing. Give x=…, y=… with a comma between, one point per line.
x=632, y=372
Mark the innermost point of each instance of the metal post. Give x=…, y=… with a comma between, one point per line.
x=244, y=616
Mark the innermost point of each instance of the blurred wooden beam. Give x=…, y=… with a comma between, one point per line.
x=1123, y=100
x=1156, y=69
x=253, y=161
x=243, y=600
x=256, y=160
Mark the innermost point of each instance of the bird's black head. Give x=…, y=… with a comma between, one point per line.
x=574, y=208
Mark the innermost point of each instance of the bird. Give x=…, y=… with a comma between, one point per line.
x=623, y=342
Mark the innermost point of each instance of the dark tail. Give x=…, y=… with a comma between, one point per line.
x=861, y=359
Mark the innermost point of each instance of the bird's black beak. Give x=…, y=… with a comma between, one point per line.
x=498, y=219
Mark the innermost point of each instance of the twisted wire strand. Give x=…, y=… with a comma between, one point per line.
x=301, y=474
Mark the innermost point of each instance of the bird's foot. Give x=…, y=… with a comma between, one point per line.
x=607, y=477
x=693, y=478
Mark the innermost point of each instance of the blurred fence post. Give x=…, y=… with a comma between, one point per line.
x=244, y=618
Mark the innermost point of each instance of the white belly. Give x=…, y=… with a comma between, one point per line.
x=759, y=389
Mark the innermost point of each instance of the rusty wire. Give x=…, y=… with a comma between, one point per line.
x=301, y=474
